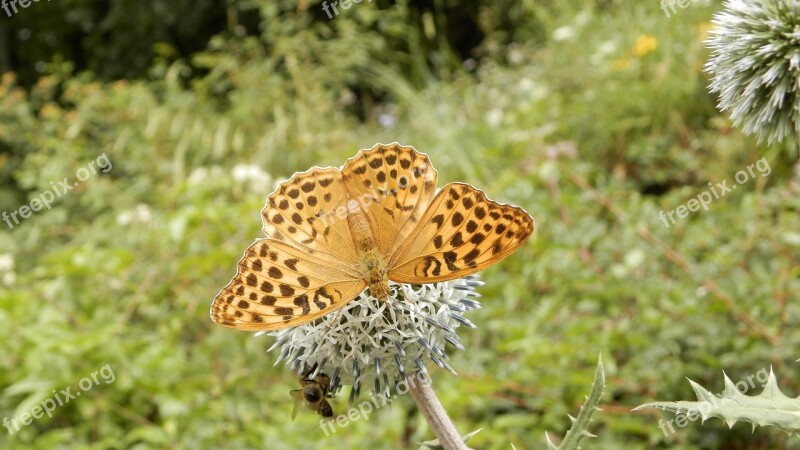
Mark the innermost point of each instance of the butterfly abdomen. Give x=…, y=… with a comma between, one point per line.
x=372, y=264
x=359, y=227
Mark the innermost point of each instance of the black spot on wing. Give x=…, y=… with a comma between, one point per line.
x=477, y=238
x=286, y=290
x=291, y=263
x=470, y=257
x=432, y=266
x=449, y=259
x=302, y=301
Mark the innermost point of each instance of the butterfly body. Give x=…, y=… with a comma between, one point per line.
x=371, y=265
x=332, y=232
x=374, y=270
x=362, y=235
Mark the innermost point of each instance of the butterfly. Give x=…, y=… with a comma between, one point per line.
x=331, y=233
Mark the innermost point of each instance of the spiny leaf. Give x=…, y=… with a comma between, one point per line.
x=771, y=407
x=578, y=431
x=435, y=445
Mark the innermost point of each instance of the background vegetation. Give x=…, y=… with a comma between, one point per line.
x=593, y=115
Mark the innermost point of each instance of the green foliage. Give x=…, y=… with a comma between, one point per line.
x=110, y=38
x=770, y=408
x=122, y=269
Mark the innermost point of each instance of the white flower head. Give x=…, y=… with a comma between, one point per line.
x=9, y=278
x=755, y=64
x=603, y=51
x=201, y=175
x=494, y=117
x=376, y=343
x=141, y=213
x=6, y=262
x=252, y=175
x=563, y=33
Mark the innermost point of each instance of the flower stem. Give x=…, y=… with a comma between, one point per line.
x=437, y=417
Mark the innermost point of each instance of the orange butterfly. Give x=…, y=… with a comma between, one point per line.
x=334, y=232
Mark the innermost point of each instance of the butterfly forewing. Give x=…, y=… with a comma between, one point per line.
x=461, y=233
x=306, y=212
x=393, y=185
x=278, y=285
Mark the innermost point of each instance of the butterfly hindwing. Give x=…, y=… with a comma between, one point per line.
x=278, y=285
x=462, y=232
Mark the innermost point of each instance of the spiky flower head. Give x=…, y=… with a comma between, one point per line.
x=376, y=343
x=755, y=63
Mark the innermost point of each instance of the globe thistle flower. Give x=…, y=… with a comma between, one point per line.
x=755, y=64
x=375, y=343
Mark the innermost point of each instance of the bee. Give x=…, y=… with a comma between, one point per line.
x=314, y=392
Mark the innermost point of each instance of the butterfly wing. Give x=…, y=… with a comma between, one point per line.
x=393, y=186
x=303, y=211
x=304, y=269
x=278, y=285
x=461, y=233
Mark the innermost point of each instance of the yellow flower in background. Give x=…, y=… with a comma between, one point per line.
x=50, y=111
x=5, y=83
x=621, y=63
x=645, y=44
x=8, y=78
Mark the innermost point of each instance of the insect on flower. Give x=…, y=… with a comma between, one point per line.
x=333, y=232
x=314, y=391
